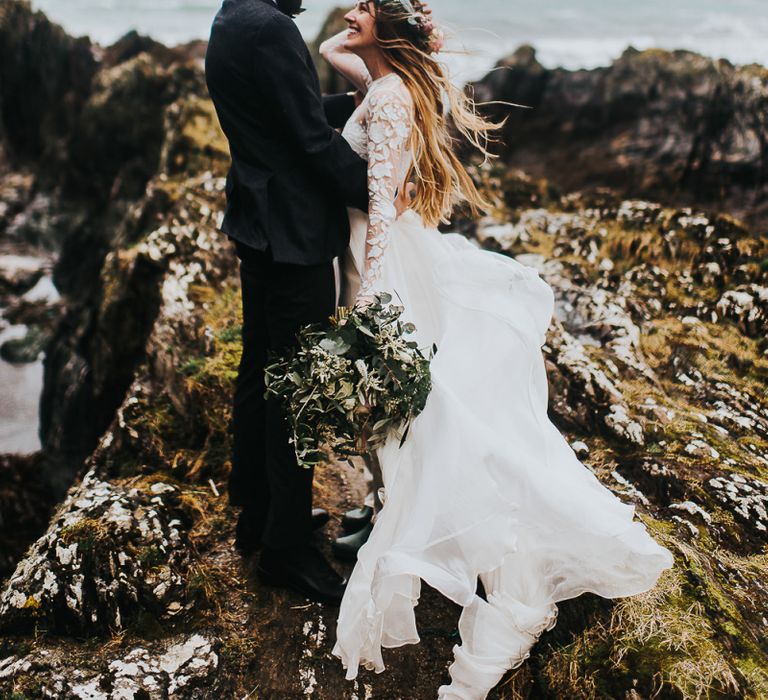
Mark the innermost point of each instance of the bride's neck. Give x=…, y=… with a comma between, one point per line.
x=377, y=65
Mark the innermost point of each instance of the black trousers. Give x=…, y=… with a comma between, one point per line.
x=278, y=299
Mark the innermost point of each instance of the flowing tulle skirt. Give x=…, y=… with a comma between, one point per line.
x=484, y=486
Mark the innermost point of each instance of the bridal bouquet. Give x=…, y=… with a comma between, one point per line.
x=351, y=385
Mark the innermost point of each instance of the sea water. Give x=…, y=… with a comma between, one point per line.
x=568, y=33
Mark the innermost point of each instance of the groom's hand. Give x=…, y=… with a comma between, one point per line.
x=405, y=198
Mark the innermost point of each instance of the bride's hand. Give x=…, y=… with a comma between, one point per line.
x=405, y=198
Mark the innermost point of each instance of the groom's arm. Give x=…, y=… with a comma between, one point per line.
x=338, y=108
x=290, y=85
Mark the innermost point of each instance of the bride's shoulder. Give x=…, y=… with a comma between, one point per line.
x=389, y=92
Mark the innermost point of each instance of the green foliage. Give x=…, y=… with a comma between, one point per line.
x=351, y=385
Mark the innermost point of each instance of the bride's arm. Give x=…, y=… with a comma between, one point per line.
x=348, y=64
x=389, y=130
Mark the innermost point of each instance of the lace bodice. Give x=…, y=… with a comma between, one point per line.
x=380, y=131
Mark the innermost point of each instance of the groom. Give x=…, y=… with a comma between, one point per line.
x=291, y=179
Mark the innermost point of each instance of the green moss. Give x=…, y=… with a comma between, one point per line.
x=231, y=334
x=192, y=366
x=184, y=430
x=210, y=379
x=150, y=557
x=200, y=585
x=202, y=145
x=92, y=538
x=240, y=654
x=25, y=349
x=685, y=638
x=721, y=354
x=160, y=428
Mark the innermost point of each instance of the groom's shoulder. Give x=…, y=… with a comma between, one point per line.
x=279, y=25
x=257, y=15
x=272, y=27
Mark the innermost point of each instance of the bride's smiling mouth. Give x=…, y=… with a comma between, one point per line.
x=361, y=31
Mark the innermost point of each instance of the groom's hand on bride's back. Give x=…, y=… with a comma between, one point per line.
x=405, y=198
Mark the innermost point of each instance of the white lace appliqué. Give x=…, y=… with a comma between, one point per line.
x=388, y=131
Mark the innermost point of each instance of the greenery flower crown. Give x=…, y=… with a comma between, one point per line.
x=426, y=35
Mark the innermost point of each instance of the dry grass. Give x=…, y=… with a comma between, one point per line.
x=675, y=627
x=684, y=638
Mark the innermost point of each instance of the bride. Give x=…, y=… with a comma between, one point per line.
x=485, y=487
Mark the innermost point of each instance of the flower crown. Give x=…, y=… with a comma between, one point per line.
x=426, y=35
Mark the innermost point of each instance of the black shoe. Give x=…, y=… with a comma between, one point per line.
x=250, y=528
x=356, y=519
x=302, y=569
x=346, y=548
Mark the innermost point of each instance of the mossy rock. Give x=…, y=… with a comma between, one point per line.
x=28, y=349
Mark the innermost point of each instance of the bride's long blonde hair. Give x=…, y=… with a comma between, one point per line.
x=442, y=180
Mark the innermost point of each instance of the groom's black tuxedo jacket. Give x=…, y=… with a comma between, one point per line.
x=292, y=174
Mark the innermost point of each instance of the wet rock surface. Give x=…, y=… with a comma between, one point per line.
x=29, y=301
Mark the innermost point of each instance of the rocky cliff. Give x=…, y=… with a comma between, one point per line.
x=91, y=131
x=675, y=126
x=658, y=366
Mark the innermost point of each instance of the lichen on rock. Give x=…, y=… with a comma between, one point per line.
x=658, y=366
x=181, y=667
x=111, y=553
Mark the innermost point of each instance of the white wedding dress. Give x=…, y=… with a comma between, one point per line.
x=484, y=486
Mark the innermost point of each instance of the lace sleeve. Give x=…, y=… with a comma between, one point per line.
x=389, y=129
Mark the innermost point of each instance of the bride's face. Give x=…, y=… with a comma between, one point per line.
x=362, y=23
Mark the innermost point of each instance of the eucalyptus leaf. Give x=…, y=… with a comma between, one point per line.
x=365, y=331
x=379, y=382
x=335, y=346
